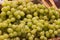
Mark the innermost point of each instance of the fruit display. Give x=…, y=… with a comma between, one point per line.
x=24, y=20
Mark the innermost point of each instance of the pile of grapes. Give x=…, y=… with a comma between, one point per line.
x=23, y=20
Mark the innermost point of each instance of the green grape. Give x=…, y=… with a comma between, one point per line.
x=27, y=28
x=13, y=10
x=3, y=4
x=0, y=25
x=51, y=31
x=6, y=36
x=9, y=30
x=29, y=20
x=29, y=34
x=35, y=14
x=14, y=4
x=29, y=16
x=41, y=11
x=12, y=19
x=35, y=22
x=31, y=38
x=36, y=39
x=57, y=26
x=38, y=28
x=25, y=19
x=0, y=32
x=45, y=38
x=4, y=25
x=58, y=30
x=42, y=33
x=29, y=24
x=9, y=13
x=6, y=8
x=47, y=34
x=8, y=21
x=46, y=24
x=10, y=16
x=55, y=32
x=0, y=20
x=53, y=17
x=13, y=26
x=18, y=16
x=41, y=21
x=51, y=26
x=17, y=38
x=46, y=10
x=1, y=37
x=23, y=39
x=42, y=37
x=53, y=35
x=14, y=33
x=10, y=25
x=45, y=18
x=33, y=31
x=41, y=6
x=23, y=22
x=34, y=26
x=16, y=13
x=20, y=7
x=24, y=9
x=3, y=13
x=22, y=13
x=11, y=35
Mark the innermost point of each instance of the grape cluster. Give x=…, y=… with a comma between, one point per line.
x=23, y=20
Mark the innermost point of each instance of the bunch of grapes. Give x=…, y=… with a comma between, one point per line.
x=24, y=20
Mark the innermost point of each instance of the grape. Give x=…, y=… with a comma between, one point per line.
x=55, y=32
x=31, y=38
x=42, y=33
x=1, y=37
x=29, y=16
x=51, y=31
x=58, y=30
x=29, y=24
x=23, y=39
x=4, y=25
x=20, y=7
x=18, y=16
x=0, y=32
x=36, y=39
x=3, y=14
x=10, y=16
x=17, y=38
x=41, y=11
x=35, y=14
x=53, y=35
x=46, y=10
x=9, y=30
x=11, y=35
x=24, y=20
x=16, y=13
x=42, y=37
x=12, y=19
x=14, y=4
x=13, y=10
x=6, y=8
x=47, y=34
x=22, y=13
x=9, y=13
x=33, y=31
x=6, y=36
